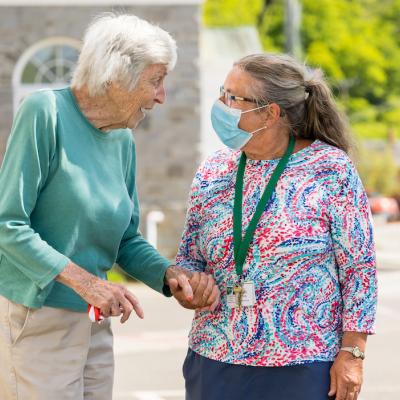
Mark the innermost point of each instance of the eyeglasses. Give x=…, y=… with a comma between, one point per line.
x=228, y=97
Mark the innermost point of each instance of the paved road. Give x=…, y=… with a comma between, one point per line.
x=149, y=353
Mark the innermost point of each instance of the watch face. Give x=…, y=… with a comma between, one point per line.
x=356, y=352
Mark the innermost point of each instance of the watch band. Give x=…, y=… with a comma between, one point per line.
x=355, y=351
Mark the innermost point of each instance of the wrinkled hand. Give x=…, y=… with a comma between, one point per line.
x=112, y=299
x=193, y=290
x=346, y=377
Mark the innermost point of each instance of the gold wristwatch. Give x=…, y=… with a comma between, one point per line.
x=355, y=350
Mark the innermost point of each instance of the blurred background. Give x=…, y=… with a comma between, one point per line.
x=355, y=42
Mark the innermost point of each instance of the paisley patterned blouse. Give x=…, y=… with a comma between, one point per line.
x=312, y=258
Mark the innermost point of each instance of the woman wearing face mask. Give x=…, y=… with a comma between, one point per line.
x=282, y=222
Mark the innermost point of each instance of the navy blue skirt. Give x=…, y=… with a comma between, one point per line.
x=207, y=379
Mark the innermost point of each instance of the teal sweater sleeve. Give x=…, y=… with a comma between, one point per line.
x=136, y=256
x=22, y=176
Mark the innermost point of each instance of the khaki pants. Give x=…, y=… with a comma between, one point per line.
x=51, y=353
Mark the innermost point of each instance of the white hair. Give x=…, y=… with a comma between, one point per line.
x=117, y=48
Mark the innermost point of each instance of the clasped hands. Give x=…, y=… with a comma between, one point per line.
x=192, y=290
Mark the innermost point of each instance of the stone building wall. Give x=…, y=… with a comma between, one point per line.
x=168, y=139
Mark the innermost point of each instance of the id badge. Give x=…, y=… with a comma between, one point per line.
x=249, y=294
x=231, y=298
x=247, y=298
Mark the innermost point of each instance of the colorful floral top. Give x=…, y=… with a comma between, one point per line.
x=312, y=258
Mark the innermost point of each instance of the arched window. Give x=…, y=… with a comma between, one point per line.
x=47, y=64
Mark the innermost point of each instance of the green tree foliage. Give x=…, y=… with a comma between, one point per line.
x=224, y=13
x=115, y=274
x=356, y=43
x=378, y=171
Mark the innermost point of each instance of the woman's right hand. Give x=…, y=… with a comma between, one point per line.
x=112, y=299
x=193, y=290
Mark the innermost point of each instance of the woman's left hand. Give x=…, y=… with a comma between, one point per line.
x=346, y=377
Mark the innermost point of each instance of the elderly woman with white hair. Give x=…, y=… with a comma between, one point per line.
x=69, y=210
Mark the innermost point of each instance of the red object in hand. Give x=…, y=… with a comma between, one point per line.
x=94, y=313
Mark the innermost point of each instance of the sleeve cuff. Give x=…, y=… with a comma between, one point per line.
x=53, y=273
x=349, y=326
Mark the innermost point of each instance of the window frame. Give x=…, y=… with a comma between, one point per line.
x=20, y=89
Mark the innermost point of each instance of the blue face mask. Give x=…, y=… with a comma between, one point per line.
x=225, y=121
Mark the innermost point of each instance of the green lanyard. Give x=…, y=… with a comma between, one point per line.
x=240, y=246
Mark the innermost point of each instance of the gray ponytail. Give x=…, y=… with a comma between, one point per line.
x=302, y=94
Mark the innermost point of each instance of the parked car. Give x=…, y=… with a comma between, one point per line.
x=386, y=207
